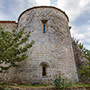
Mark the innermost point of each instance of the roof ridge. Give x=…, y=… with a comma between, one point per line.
x=8, y=21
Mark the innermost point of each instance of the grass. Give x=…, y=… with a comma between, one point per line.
x=33, y=86
x=80, y=85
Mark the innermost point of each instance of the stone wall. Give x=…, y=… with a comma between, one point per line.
x=52, y=49
x=8, y=25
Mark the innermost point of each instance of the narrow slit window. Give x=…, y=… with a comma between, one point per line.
x=44, y=28
x=44, y=25
x=43, y=71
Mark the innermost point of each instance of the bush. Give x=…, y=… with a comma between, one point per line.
x=61, y=83
x=7, y=89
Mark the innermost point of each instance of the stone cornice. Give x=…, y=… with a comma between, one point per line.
x=43, y=7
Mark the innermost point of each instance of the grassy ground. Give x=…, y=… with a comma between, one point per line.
x=81, y=85
x=74, y=85
x=25, y=86
x=35, y=86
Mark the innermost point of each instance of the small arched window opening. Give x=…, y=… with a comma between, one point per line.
x=43, y=71
x=44, y=25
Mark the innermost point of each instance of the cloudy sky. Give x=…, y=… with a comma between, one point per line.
x=77, y=10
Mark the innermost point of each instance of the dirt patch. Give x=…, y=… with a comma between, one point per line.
x=42, y=88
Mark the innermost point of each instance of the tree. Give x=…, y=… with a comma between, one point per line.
x=85, y=72
x=13, y=48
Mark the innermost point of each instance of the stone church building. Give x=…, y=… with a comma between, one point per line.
x=54, y=52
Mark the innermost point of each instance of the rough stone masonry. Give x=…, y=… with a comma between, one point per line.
x=52, y=53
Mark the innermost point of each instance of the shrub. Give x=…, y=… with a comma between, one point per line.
x=7, y=89
x=62, y=83
x=35, y=83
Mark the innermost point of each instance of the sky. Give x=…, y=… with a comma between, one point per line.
x=78, y=12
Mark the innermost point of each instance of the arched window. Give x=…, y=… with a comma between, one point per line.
x=44, y=25
x=45, y=68
x=44, y=71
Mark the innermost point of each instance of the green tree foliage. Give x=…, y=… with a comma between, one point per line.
x=85, y=72
x=13, y=47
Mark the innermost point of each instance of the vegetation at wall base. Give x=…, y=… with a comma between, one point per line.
x=41, y=87
x=62, y=83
